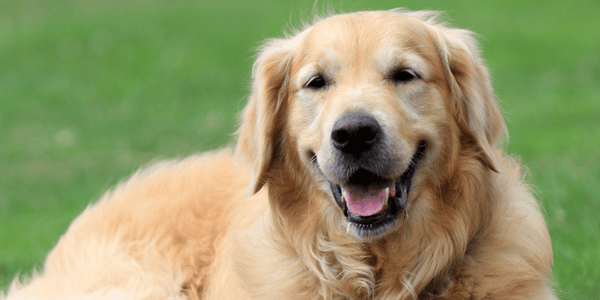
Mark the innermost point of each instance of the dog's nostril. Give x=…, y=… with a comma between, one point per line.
x=355, y=133
x=367, y=134
x=340, y=137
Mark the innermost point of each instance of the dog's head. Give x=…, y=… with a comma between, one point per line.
x=374, y=108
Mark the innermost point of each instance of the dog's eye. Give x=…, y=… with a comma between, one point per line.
x=403, y=75
x=316, y=82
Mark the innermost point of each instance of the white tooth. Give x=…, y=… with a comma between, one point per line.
x=344, y=195
x=387, y=196
x=347, y=227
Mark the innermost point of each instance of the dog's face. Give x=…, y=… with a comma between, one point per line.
x=368, y=100
x=373, y=104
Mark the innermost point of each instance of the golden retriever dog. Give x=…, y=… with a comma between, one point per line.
x=368, y=165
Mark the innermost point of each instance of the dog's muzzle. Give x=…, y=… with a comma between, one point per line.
x=370, y=201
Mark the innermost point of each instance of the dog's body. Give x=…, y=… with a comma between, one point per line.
x=369, y=149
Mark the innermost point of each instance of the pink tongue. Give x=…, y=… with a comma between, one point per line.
x=364, y=203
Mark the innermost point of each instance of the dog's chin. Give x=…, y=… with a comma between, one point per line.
x=373, y=204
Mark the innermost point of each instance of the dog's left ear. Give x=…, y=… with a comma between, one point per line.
x=261, y=121
x=474, y=106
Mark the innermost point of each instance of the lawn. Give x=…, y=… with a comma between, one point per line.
x=91, y=90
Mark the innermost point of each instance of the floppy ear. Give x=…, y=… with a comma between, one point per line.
x=474, y=106
x=261, y=120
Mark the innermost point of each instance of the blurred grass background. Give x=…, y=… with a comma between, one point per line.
x=91, y=90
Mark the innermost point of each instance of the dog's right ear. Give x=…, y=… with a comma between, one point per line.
x=261, y=125
x=474, y=107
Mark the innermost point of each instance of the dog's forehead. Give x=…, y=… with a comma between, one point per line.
x=382, y=39
x=366, y=25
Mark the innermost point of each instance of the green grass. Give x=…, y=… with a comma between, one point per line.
x=91, y=90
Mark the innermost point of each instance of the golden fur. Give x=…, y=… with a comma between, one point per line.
x=260, y=222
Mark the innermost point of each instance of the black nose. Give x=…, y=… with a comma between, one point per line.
x=355, y=133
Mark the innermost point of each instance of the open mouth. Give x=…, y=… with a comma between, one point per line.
x=370, y=202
